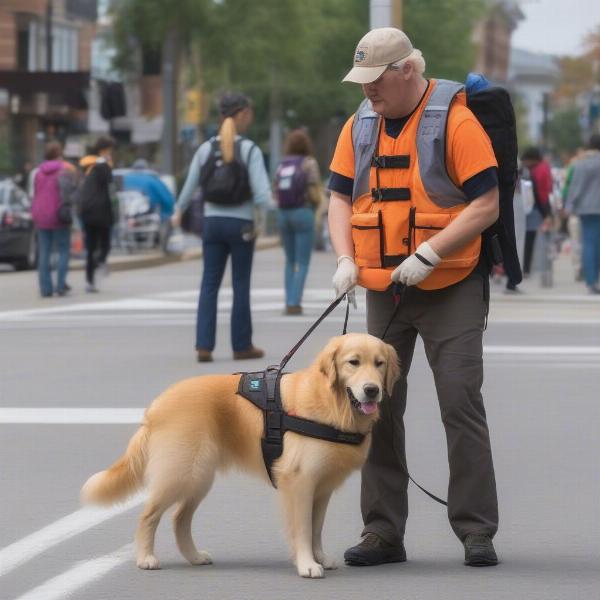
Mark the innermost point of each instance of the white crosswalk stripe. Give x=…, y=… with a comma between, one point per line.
x=267, y=305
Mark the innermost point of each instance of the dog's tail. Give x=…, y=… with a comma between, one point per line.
x=122, y=478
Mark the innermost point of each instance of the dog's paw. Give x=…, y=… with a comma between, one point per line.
x=202, y=558
x=148, y=563
x=327, y=563
x=311, y=569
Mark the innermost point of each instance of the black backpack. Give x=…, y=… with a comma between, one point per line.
x=225, y=183
x=494, y=110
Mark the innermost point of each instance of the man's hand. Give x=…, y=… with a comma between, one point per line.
x=176, y=219
x=345, y=278
x=547, y=224
x=417, y=266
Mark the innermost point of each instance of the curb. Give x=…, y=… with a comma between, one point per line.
x=156, y=259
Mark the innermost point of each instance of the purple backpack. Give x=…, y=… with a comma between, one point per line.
x=46, y=196
x=290, y=182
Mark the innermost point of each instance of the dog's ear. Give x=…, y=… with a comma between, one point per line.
x=392, y=372
x=327, y=361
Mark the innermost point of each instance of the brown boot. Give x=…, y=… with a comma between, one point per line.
x=204, y=355
x=293, y=310
x=252, y=352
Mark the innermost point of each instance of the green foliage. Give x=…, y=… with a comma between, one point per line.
x=6, y=156
x=290, y=56
x=442, y=30
x=564, y=132
x=144, y=23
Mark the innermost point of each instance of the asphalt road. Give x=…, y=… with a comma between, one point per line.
x=75, y=374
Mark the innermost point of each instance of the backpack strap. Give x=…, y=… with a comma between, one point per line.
x=365, y=130
x=431, y=145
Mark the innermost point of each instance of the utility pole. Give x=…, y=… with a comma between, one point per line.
x=169, y=88
x=385, y=13
x=275, y=128
x=49, y=35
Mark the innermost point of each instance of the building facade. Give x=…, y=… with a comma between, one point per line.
x=533, y=77
x=45, y=57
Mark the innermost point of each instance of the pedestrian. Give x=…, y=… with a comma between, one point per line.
x=583, y=200
x=235, y=186
x=53, y=184
x=148, y=182
x=573, y=226
x=299, y=197
x=539, y=218
x=96, y=210
x=22, y=177
x=399, y=240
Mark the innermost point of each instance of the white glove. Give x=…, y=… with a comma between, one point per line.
x=344, y=279
x=417, y=266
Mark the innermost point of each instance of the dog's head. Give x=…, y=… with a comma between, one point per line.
x=361, y=367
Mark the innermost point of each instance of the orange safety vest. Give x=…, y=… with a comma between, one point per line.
x=403, y=195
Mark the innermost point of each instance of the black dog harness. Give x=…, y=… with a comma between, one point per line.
x=262, y=388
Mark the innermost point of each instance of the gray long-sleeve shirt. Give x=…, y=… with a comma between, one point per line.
x=583, y=196
x=260, y=185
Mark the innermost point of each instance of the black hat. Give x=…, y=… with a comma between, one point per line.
x=231, y=103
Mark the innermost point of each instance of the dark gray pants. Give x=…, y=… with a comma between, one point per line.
x=450, y=321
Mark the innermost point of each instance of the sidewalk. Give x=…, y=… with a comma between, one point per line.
x=564, y=287
x=145, y=259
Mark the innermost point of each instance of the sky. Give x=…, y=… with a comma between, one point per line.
x=556, y=26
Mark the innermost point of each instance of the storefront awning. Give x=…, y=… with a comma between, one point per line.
x=68, y=84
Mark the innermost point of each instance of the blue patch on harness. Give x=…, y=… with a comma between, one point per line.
x=255, y=385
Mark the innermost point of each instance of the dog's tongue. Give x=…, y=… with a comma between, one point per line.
x=368, y=408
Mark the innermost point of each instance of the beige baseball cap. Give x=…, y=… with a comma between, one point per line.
x=376, y=51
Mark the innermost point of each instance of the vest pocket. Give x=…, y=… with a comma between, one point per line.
x=367, y=235
x=423, y=226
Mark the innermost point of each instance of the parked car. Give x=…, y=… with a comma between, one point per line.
x=17, y=234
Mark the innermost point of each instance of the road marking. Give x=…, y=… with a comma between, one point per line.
x=71, y=416
x=22, y=551
x=82, y=574
x=544, y=350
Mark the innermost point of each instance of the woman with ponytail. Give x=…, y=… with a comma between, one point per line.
x=231, y=171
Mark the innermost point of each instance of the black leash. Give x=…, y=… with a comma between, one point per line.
x=398, y=294
x=399, y=291
x=326, y=312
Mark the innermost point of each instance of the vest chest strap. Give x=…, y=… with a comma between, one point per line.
x=390, y=194
x=400, y=161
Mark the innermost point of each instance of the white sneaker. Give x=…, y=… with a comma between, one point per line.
x=100, y=274
x=90, y=288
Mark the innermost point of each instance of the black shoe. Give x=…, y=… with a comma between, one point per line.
x=479, y=551
x=374, y=550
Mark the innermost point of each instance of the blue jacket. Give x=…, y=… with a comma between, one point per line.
x=157, y=192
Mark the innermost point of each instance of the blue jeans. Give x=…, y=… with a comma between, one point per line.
x=49, y=240
x=590, y=252
x=297, y=229
x=222, y=236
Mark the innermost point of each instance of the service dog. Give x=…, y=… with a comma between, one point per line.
x=201, y=425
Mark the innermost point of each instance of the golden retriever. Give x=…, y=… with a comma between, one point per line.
x=201, y=425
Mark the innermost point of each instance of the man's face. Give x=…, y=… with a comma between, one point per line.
x=388, y=92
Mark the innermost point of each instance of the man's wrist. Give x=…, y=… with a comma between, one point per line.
x=342, y=257
x=427, y=254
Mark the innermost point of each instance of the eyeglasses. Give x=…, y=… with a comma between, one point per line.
x=388, y=68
